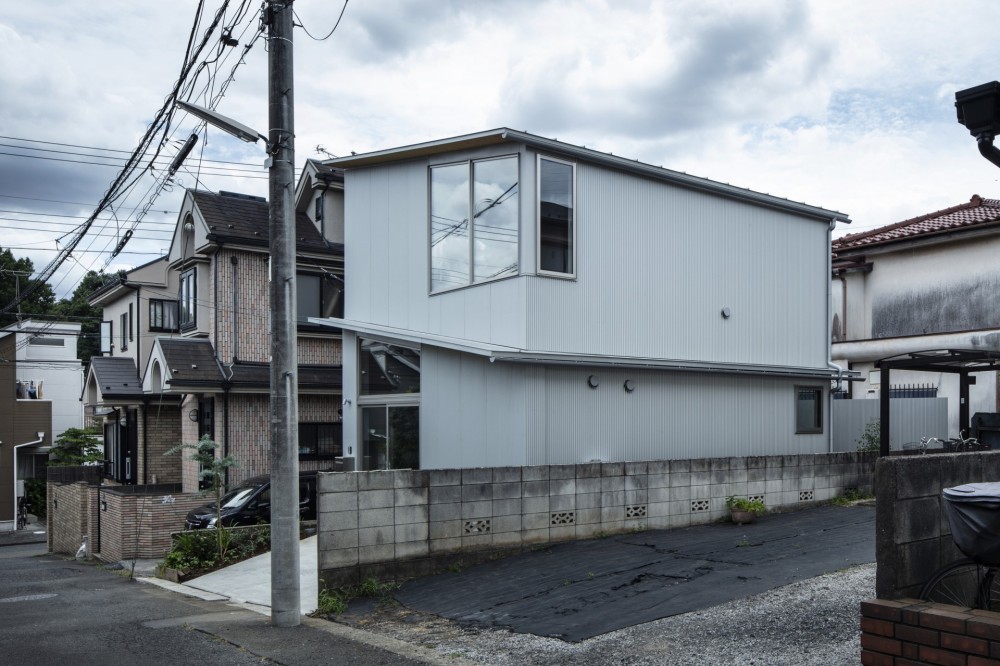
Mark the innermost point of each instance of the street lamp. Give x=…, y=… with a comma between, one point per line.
x=283, y=418
x=979, y=111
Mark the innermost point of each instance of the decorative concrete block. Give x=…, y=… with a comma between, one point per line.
x=437, y=512
x=477, y=492
x=444, y=494
x=375, y=499
x=482, y=509
x=338, y=502
x=562, y=487
x=406, y=515
x=445, y=477
x=335, y=482
x=376, y=517
x=411, y=478
x=535, y=489
x=535, y=504
x=506, y=475
x=535, y=473
x=445, y=529
x=380, y=480
x=506, y=507
x=503, y=491
x=376, y=536
x=477, y=475
x=411, y=532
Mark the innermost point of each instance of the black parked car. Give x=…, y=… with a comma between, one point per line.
x=249, y=503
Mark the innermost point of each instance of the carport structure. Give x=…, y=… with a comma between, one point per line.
x=963, y=362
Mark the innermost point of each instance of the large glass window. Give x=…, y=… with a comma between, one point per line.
x=556, y=223
x=486, y=192
x=318, y=296
x=162, y=315
x=808, y=409
x=390, y=406
x=188, y=299
x=390, y=437
x=320, y=441
x=388, y=369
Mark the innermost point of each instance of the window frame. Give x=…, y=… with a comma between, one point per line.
x=817, y=427
x=123, y=332
x=538, y=218
x=187, y=300
x=159, y=304
x=470, y=225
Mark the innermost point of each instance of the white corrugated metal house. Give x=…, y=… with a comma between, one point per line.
x=513, y=300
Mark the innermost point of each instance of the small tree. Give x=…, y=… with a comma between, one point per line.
x=212, y=468
x=76, y=446
x=871, y=438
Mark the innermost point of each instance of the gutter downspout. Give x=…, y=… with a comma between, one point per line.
x=829, y=329
x=987, y=149
x=41, y=438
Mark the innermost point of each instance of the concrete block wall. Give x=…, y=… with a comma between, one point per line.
x=917, y=633
x=405, y=522
x=913, y=538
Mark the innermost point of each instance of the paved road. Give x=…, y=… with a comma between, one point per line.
x=60, y=612
x=577, y=590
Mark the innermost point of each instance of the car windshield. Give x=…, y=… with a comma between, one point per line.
x=236, y=497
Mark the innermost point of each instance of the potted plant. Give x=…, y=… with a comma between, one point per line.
x=743, y=510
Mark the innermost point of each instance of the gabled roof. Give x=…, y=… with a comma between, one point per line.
x=190, y=363
x=116, y=377
x=241, y=218
x=504, y=135
x=978, y=213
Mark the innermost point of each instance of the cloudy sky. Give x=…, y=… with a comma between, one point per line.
x=847, y=105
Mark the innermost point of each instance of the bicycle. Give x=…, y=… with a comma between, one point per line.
x=974, y=581
x=22, y=513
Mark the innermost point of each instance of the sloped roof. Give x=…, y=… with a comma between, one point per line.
x=243, y=218
x=975, y=214
x=116, y=376
x=190, y=363
x=258, y=375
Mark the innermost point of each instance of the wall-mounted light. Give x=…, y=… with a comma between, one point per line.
x=346, y=403
x=193, y=415
x=593, y=382
x=104, y=505
x=629, y=385
x=726, y=313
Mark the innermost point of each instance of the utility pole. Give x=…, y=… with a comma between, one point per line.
x=284, y=421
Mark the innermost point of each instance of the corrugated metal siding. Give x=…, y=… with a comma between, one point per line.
x=656, y=265
x=909, y=420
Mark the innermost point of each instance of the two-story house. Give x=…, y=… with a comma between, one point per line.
x=514, y=300
x=189, y=348
x=40, y=381
x=921, y=285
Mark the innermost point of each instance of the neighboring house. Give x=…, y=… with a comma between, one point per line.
x=513, y=300
x=928, y=283
x=190, y=348
x=40, y=381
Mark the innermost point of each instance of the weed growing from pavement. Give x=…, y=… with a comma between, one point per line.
x=334, y=602
x=850, y=496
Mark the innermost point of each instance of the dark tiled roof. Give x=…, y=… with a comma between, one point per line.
x=257, y=375
x=116, y=376
x=977, y=213
x=242, y=218
x=191, y=363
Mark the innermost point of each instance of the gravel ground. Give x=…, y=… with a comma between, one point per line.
x=815, y=621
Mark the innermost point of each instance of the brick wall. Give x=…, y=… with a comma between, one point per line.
x=912, y=535
x=403, y=521
x=139, y=525
x=163, y=432
x=69, y=513
x=908, y=632
x=189, y=435
x=320, y=351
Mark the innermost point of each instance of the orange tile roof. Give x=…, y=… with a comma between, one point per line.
x=978, y=212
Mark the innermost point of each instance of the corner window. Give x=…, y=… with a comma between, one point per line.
x=808, y=410
x=556, y=217
x=188, y=299
x=162, y=315
x=318, y=296
x=486, y=192
x=320, y=441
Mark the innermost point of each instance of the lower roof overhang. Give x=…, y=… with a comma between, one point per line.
x=507, y=354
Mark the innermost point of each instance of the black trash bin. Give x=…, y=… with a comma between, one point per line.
x=974, y=516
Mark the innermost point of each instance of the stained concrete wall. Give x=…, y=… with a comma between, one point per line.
x=913, y=538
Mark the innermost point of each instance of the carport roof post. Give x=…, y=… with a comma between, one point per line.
x=962, y=362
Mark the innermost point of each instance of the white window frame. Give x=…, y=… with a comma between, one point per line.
x=538, y=218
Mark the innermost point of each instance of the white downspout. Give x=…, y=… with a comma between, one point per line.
x=829, y=328
x=41, y=438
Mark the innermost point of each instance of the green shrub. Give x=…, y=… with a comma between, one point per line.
x=871, y=438
x=745, y=504
x=34, y=493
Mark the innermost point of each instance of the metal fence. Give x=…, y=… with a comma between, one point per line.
x=911, y=419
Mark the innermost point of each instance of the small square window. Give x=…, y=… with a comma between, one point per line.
x=808, y=410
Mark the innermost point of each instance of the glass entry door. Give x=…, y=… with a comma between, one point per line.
x=390, y=437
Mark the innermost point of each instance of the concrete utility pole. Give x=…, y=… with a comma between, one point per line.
x=285, y=594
